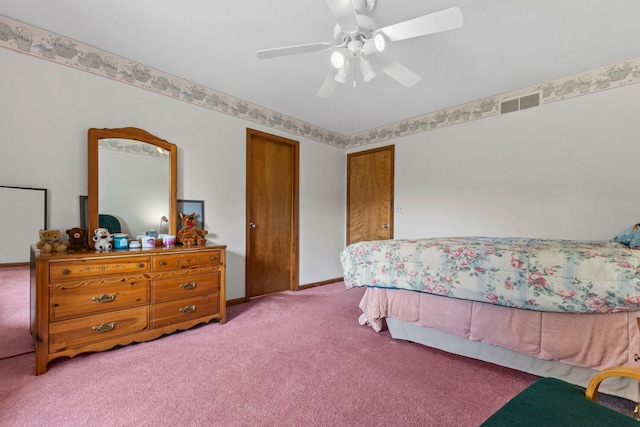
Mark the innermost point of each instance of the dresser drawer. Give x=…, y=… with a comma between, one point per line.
x=186, y=286
x=74, y=333
x=168, y=313
x=163, y=262
x=67, y=301
x=97, y=267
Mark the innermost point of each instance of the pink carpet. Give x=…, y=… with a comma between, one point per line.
x=293, y=358
x=15, y=338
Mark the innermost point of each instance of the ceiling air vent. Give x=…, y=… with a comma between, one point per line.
x=509, y=106
x=522, y=103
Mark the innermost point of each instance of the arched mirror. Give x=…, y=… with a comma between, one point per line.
x=132, y=181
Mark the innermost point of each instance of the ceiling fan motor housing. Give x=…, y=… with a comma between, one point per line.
x=364, y=31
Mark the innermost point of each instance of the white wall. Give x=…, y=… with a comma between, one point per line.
x=47, y=108
x=563, y=170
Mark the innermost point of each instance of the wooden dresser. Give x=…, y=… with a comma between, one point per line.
x=85, y=301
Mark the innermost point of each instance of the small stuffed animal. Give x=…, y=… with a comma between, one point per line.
x=102, y=239
x=50, y=241
x=189, y=234
x=77, y=239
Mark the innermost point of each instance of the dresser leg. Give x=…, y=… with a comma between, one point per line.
x=41, y=362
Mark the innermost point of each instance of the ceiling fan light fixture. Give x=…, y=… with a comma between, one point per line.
x=379, y=42
x=368, y=73
x=337, y=59
x=374, y=45
x=343, y=73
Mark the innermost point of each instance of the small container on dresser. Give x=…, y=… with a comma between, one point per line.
x=84, y=301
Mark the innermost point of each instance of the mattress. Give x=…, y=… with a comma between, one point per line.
x=562, y=276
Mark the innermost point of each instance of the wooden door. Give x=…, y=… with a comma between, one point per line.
x=272, y=214
x=370, y=195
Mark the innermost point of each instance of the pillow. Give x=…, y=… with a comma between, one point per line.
x=626, y=236
x=635, y=242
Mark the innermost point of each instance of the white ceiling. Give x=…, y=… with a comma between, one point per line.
x=503, y=45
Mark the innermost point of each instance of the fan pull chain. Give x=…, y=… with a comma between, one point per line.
x=355, y=65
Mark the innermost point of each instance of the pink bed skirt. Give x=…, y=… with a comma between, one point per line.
x=588, y=340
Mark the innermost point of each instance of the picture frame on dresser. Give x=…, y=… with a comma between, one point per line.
x=187, y=207
x=84, y=211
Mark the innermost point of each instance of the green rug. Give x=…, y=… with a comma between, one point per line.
x=551, y=402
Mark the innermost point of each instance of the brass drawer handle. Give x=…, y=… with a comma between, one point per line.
x=105, y=327
x=140, y=265
x=66, y=271
x=163, y=263
x=188, y=309
x=105, y=298
x=189, y=285
x=214, y=258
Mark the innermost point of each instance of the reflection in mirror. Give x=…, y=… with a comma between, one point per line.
x=132, y=181
x=134, y=184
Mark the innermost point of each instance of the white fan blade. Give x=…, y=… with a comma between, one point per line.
x=343, y=11
x=293, y=50
x=401, y=74
x=329, y=85
x=448, y=19
x=395, y=70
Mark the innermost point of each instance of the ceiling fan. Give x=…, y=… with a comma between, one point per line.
x=358, y=44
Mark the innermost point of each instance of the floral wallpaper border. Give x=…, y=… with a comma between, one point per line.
x=25, y=38
x=28, y=39
x=597, y=79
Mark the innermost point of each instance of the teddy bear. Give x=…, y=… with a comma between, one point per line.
x=102, y=239
x=189, y=234
x=77, y=239
x=50, y=241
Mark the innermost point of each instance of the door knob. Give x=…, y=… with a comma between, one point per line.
x=252, y=225
x=385, y=225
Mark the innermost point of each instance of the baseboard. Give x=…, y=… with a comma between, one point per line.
x=324, y=282
x=236, y=301
x=14, y=264
x=300, y=287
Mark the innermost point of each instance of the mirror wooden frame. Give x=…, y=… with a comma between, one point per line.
x=95, y=135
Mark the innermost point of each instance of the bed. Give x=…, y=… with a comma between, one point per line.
x=559, y=308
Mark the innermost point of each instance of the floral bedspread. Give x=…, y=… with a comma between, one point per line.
x=534, y=274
